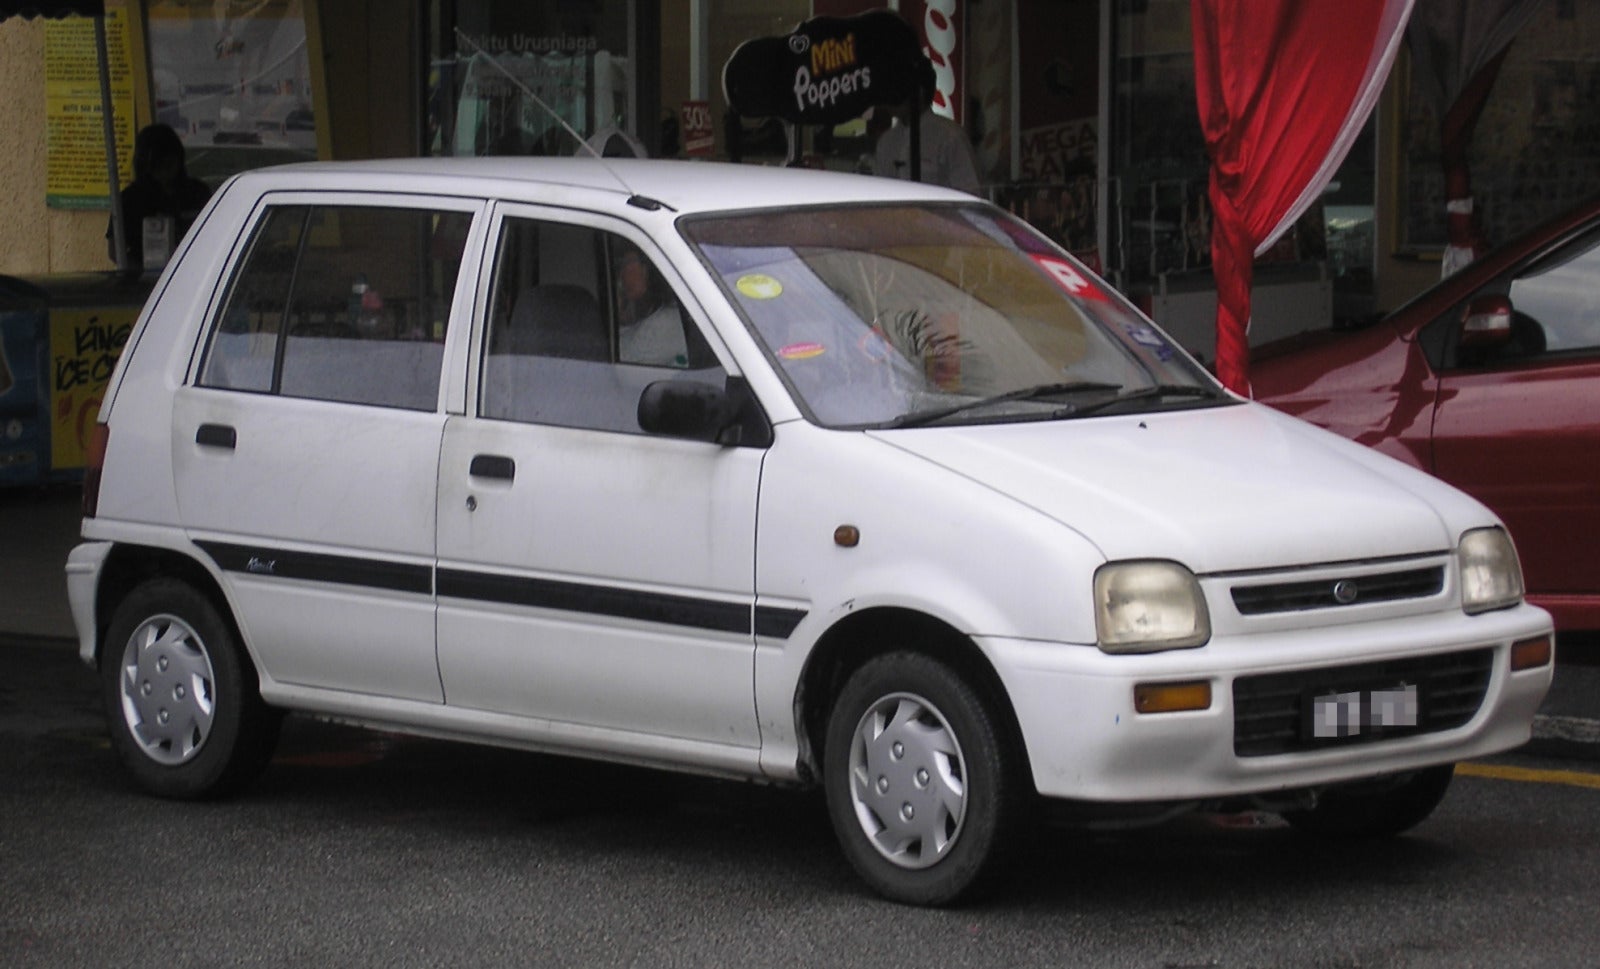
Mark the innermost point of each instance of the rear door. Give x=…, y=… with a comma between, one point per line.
x=307, y=441
x=1519, y=428
x=591, y=575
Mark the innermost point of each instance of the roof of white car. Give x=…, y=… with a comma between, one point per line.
x=682, y=186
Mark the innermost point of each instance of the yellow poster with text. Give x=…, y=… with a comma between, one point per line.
x=75, y=141
x=84, y=346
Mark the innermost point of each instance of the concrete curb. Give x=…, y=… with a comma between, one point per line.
x=1580, y=730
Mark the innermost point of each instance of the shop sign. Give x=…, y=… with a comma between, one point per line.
x=699, y=134
x=1057, y=152
x=940, y=26
x=828, y=71
x=84, y=347
x=75, y=139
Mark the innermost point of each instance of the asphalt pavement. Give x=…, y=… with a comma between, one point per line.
x=359, y=848
x=38, y=527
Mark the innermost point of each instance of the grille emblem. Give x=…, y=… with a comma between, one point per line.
x=1345, y=592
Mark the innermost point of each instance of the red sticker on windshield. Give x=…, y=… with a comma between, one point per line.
x=1074, y=282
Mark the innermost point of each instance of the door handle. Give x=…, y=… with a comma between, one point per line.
x=492, y=466
x=216, y=435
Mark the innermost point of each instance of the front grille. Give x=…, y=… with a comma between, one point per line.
x=1331, y=593
x=1272, y=711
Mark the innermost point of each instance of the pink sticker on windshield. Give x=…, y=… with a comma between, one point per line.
x=1074, y=282
x=801, y=351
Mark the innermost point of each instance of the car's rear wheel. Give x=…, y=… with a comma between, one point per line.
x=920, y=786
x=185, y=715
x=1376, y=809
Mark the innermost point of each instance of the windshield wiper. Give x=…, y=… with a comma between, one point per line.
x=1026, y=393
x=1145, y=393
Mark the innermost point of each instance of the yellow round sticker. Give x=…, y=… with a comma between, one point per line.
x=759, y=286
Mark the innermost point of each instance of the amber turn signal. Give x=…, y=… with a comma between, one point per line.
x=1171, y=697
x=846, y=536
x=1531, y=653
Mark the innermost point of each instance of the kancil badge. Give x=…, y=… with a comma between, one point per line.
x=158, y=233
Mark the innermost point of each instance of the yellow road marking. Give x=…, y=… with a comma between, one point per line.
x=1498, y=772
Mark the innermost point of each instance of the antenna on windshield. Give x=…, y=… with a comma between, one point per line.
x=479, y=52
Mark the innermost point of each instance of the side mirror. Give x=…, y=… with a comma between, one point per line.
x=1486, y=322
x=703, y=412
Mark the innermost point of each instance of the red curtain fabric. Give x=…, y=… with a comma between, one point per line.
x=1283, y=88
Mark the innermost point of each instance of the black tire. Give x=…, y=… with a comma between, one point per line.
x=1376, y=809
x=181, y=696
x=926, y=814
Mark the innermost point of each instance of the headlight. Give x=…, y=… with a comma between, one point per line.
x=1491, y=578
x=1143, y=607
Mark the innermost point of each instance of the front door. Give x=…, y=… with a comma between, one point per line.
x=591, y=576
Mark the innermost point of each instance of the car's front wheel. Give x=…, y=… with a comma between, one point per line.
x=1376, y=809
x=921, y=787
x=180, y=694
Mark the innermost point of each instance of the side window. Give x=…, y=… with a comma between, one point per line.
x=340, y=303
x=650, y=323
x=1559, y=297
x=1555, y=309
x=580, y=322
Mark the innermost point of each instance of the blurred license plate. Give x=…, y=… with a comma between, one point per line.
x=1351, y=714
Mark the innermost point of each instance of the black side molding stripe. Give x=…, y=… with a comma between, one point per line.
x=710, y=614
x=727, y=617
x=316, y=567
x=777, y=623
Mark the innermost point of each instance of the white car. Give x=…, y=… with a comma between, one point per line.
x=799, y=477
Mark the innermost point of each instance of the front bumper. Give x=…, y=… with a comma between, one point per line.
x=1086, y=741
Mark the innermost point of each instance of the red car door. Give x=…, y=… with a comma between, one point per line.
x=1519, y=428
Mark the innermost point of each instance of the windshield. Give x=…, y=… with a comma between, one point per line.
x=900, y=315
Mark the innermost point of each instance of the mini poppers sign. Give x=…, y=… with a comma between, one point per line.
x=828, y=71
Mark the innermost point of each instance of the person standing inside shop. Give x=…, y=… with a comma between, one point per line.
x=947, y=155
x=161, y=202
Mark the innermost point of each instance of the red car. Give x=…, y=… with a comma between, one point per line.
x=1491, y=381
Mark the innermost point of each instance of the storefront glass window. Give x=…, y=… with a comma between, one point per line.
x=234, y=81
x=1537, y=141
x=532, y=78
x=1057, y=57
x=1158, y=153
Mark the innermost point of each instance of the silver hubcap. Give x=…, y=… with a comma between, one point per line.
x=168, y=690
x=908, y=780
